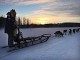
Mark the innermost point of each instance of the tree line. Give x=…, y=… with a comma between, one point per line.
x=51, y=25
x=2, y=21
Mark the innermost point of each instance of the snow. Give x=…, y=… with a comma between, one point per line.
x=56, y=48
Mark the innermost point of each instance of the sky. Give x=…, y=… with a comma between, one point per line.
x=44, y=11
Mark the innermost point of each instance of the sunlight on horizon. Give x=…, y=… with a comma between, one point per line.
x=42, y=20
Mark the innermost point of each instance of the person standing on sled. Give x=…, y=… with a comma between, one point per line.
x=11, y=27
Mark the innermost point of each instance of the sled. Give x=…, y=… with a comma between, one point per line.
x=29, y=41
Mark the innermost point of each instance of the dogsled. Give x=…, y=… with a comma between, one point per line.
x=21, y=42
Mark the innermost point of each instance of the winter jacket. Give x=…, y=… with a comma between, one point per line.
x=10, y=25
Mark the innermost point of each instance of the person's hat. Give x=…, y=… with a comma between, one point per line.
x=13, y=13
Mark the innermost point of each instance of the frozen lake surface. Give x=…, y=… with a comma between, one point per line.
x=63, y=48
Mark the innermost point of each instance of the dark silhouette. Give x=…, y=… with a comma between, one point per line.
x=77, y=30
x=74, y=30
x=11, y=27
x=2, y=20
x=29, y=25
x=58, y=34
x=64, y=32
x=70, y=31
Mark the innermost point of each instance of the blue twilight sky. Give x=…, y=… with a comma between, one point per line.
x=44, y=11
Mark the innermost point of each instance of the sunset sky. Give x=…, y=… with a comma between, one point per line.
x=44, y=11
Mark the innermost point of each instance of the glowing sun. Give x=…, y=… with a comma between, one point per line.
x=42, y=20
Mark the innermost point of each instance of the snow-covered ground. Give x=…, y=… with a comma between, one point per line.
x=56, y=48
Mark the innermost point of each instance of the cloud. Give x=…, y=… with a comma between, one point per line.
x=60, y=7
x=25, y=2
